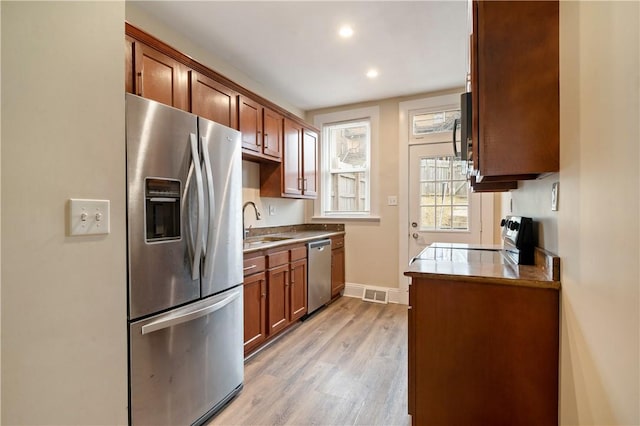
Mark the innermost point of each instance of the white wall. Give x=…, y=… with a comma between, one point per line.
x=598, y=221
x=286, y=211
x=64, y=341
x=596, y=230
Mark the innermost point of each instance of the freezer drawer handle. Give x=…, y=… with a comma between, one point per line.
x=189, y=316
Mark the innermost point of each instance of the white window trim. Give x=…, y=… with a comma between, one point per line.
x=373, y=115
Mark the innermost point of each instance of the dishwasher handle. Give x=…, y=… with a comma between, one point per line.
x=320, y=244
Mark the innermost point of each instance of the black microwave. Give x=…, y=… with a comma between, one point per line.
x=465, y=124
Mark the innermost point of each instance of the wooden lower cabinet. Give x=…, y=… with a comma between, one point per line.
x=255, y=309
x=278, y=296
x=275, y=292
x=482, y=353
x=298, y=289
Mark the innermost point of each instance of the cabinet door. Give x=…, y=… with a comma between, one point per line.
x=128, y=65
x=298, y=289
x=517, y=88
x=250, y=124
x=292, y=162
x=159, y=77
x=310, y=163
x=212, y=100
x=272, y=137
x=278, y=298
x=255, y=311
x=337, y=271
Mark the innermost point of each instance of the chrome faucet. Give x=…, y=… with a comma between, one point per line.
x=245, y=231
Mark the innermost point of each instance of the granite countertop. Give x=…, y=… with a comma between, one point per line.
x=488, y=269
x=260, y=238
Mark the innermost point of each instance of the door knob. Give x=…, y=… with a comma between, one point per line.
x=414, y=225
x=415, y=235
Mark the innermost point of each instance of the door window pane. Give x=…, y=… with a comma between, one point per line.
x=444, y=194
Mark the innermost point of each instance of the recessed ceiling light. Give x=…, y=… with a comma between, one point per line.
x=345, y=31
x=372, y=73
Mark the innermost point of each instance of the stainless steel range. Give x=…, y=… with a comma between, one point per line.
x=518, y=245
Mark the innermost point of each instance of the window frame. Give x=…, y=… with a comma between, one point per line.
x=372, y=114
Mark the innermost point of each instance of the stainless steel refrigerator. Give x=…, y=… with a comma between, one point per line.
x=184, y=241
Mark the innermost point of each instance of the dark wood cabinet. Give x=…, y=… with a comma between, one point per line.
x=255, y=302
x=291, y=182
x=128, y=64
x=298, y=289
x=515, y=87
x=250, y=124
x=159, y=77
x=482, y=353
x=255, y=306
x=212, y=100
x=272, y=129
x=278, y=298
x=296, y=177
x=261, y=129
x=337, y=266
x=309, y=163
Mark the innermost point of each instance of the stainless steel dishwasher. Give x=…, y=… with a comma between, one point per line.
x=319, y=274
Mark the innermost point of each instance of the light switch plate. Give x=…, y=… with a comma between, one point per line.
x=88, y=217
x=392, y=200
x=554, y=196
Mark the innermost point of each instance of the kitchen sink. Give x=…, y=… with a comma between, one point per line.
x=253, y=241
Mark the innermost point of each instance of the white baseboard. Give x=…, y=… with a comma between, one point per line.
x=355, y=290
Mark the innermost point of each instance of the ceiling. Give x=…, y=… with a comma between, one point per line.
x=294, y=49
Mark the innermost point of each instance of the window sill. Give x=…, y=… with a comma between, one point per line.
x=348, y=218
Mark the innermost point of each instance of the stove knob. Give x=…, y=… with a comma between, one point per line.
x=513, y=225
x=503, y=222
x=517, y=226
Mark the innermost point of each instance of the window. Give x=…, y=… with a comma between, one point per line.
x=444, y=195
x=346, y=185
x=347, y=155
x=425, y=123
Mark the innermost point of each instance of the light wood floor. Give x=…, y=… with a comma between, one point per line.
x=347, y=365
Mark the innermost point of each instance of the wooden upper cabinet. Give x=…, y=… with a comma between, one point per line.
x=128, y=65
x=261, y=129
x=212, y=100
x=291, y=168
x=515, y=86
x=250, y=124
x=159, y=77
x=309, y=163
x=272, y=123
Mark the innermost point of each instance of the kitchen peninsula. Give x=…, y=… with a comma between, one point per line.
x=483, y=337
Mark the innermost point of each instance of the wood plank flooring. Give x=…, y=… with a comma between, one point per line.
x=347, y=365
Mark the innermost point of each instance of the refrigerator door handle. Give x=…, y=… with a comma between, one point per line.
x=188, y=316
x=197, y=252
x=212, y=208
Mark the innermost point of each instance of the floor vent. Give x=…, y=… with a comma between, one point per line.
x=374, y=295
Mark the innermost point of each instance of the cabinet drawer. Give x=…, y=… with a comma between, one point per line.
x=253, y=265
x=337, y=242
x=298, y=253
x=277, y=259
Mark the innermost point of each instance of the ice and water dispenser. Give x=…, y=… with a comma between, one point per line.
x=162, y=212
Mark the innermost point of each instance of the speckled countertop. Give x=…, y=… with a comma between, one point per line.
x=544, y=274
x=290, y=235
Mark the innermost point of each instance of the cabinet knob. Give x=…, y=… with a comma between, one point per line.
x=415, y=235
x=414, y=225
